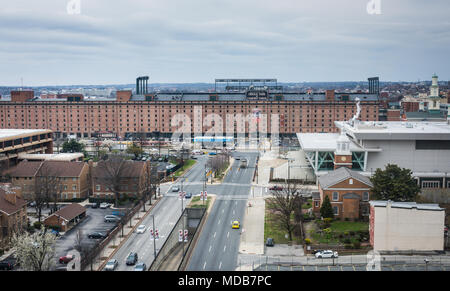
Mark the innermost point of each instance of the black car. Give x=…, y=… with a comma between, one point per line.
x=96, y=235
x=4, y=265
x=132, y=259
x=188, y=195
x=270, y=242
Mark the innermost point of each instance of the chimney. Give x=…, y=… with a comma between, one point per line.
x=329, y=95
x=10, y=196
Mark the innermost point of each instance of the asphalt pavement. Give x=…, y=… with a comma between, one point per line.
x=218, y=244
x=165, y=213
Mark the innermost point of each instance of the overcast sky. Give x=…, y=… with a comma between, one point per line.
x=114, y=41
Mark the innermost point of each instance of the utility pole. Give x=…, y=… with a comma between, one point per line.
x=154, y=238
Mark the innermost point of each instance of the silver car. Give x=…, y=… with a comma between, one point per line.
x=111, y=265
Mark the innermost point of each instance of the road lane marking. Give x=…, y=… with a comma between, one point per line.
x=214, y=235
x=228, y=234
x=218, y=222
x=210, y=248
x=220, y=265
x=224, y=247
x=204, y=265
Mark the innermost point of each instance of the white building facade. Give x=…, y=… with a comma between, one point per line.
x=406, y=226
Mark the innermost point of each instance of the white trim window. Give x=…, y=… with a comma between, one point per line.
x=365, y=196
x=316, y=204
x=335, y=196
x=430, y=184
x=335, y=210
x=97, y=187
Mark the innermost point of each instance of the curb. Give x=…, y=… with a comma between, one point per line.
x=102, y=265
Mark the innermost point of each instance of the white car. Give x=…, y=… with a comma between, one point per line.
x=111, y=265
x=104, y=205
x=326, y=254
x=140, y=229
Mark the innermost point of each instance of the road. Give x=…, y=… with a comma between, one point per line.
x=218, y=245
x=166, y=213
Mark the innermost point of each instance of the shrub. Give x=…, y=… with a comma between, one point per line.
x=356, y=245
x=352, y=233
x=307, y=241
x=347, y=219
x=346, y=233
x=341, y=236
x=327, y=220
x=37, y=224
x=348, y=246
x=347, y=241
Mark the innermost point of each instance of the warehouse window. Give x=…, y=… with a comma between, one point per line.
x=430, y=184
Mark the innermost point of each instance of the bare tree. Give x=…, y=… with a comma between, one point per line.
x=35, y=252
x=79, y=238
x=48, y=185
x=150, y=183
x=285, y=203
x=110, y=174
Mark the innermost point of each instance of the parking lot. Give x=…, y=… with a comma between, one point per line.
x=94, y=222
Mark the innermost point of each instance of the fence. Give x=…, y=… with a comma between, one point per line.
x=94, y=252
x=263, y=263
x=168, y=254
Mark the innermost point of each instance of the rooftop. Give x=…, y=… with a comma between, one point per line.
x=406, y=205
x=16, y=133
x=70, y=211
x=397, y=130
x=51, y=157
x=341, y=174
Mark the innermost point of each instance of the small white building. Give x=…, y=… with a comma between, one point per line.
x=406, y=226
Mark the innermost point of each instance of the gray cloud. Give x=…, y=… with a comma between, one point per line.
x=198, y=40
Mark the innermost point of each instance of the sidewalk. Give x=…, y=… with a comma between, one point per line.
x=252, y=237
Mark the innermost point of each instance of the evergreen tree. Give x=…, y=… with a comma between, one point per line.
x=326, y=211
x=394, y=183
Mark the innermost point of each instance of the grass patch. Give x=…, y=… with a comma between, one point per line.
x=343, y=226
x=187, y=165
x=273, y=230
x=197, y=203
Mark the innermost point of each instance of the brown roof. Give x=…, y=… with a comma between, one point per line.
x=25, y=169
x=63, y=168
x=133, y=169
x=9, y=208
x=70, y=211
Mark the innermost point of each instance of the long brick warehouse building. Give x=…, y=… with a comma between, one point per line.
x=153, y=113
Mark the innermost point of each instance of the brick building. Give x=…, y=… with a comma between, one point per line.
x=156, y=113
x=66, y=217
x=348, y=191
x=132, y=179
x=72, y=177
x=13, y=211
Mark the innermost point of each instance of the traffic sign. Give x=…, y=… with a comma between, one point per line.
x=180, y=235
x=185, y=235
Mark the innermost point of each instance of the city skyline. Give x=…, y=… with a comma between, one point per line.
x=195, y=42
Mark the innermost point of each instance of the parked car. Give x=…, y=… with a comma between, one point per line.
x=270, y=242
x=104, y=205
x=97, y=235
x=111, y=265
x=276, y=188
x=140, y=267
x=33, y=204
x=55, y=232
x=175, y=189
x=141, y=229
x=316, y=251
x=95, y=205
x=188, y=195
x=132, y=259
x=111, y=218
x=66, y=259
x=5, y=265
x=212, y=154
x=326, y=254
x=237, y=158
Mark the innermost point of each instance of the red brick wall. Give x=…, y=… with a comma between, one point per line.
x=21, y=96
